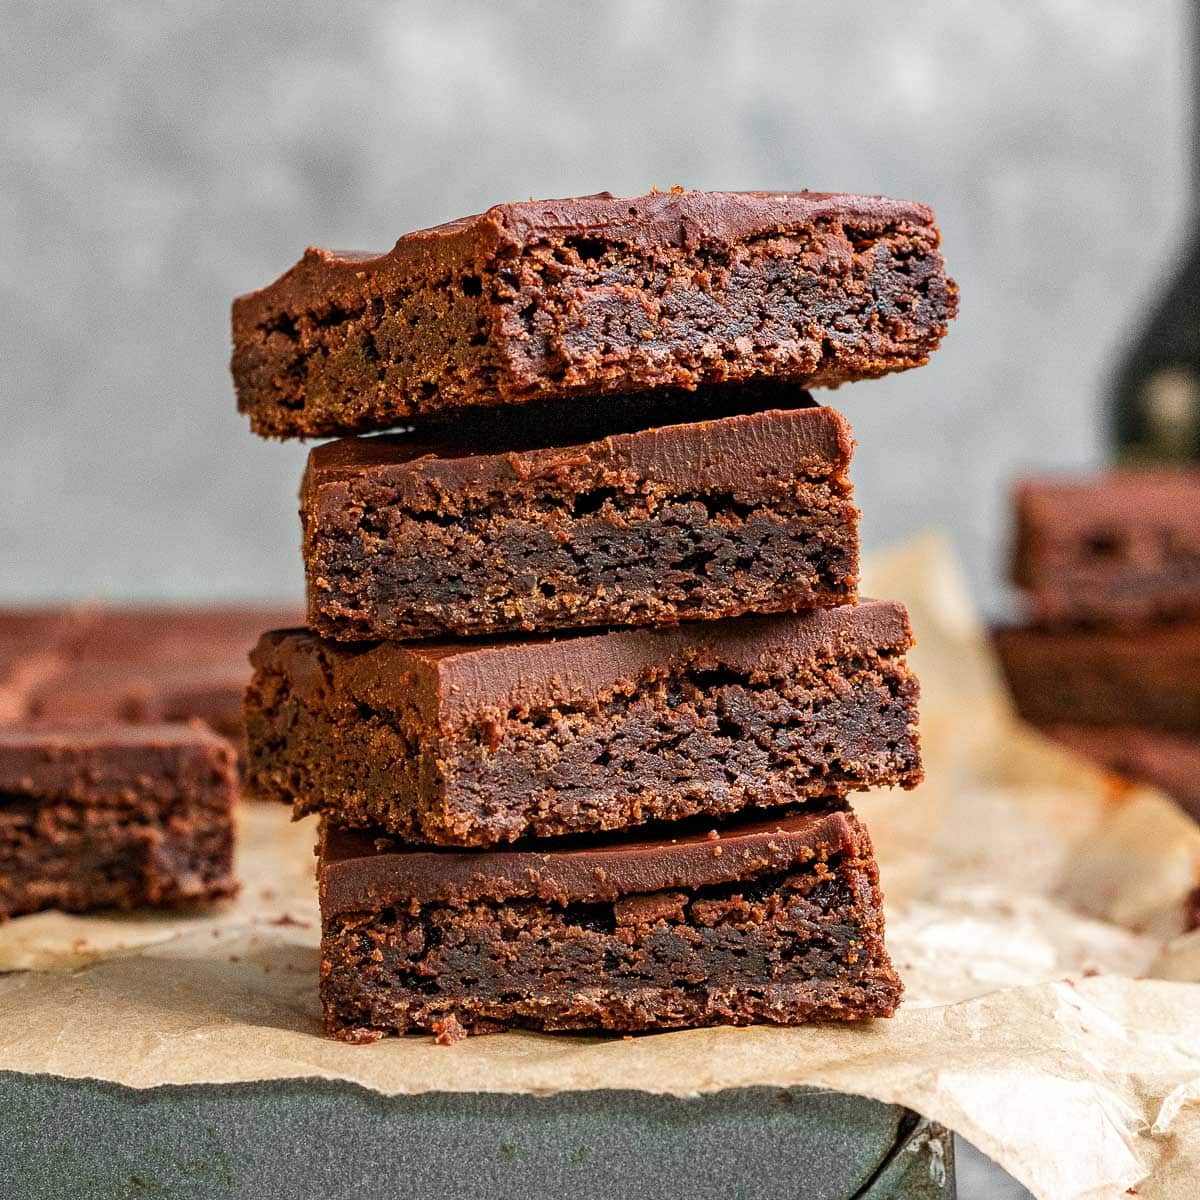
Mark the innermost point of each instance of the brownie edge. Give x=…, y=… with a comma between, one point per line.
x=107, y=815
x=750, y=513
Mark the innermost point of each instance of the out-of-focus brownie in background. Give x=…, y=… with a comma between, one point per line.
x=1108, y=661
x=93, y=663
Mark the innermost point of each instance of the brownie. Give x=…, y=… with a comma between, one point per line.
x=34, y=645
x=1148, y=677
x=142, y=665
x=105, y=815
x=1119, y=549
x=568, y=298
x=475, y=743
x=774, y=921
x=1167, y=761
x=404, y=538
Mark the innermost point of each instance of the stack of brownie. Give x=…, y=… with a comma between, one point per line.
x=1109, y=661
x=586, y=681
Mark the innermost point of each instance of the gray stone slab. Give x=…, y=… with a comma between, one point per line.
x=316, y=1139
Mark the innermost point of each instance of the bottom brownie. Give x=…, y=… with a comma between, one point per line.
x=778, y=921
x=102, y=816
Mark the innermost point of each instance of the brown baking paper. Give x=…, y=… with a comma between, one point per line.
x=1034, y=908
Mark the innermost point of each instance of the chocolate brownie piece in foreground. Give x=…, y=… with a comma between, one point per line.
x=478, y=743
x=778, y=921
x=1119, y=549
x=1147, y=677
x=404, y=538
x=112, y=815
x=568, y=298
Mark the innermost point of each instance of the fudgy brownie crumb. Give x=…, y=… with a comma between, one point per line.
x=103, y=815
x=748, y=513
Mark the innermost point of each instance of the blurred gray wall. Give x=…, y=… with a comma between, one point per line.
x=158, y=158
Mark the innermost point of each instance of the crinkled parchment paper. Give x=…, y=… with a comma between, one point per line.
x=1034, y=908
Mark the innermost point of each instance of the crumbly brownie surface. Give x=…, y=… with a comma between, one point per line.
x=110, y=815
x=569, y=298
x=777, y=921
x=748, y=513
x=486, y=742
x=1121, y=549
x=1148, y=677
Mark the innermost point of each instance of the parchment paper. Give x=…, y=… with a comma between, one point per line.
x=1034, y=909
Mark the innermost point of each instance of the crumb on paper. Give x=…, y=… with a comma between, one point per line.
x=447, y=1031
x=360, y=1037
x=287, y=919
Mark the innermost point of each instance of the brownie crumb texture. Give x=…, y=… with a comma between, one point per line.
x=681, y=740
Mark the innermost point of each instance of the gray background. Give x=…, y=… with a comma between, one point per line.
x=157, y=158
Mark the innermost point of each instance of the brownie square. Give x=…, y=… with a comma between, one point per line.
x=493, y=533
x=109, y=815
x=473, y=743
x=558, y=299
x=1121, y=549
x=774, y=921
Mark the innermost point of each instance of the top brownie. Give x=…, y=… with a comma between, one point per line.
x=556, y=299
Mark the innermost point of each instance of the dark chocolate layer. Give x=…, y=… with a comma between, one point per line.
x=364, y=869
x=563, y=299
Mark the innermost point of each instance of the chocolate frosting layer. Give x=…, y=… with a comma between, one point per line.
x=739, y=454
x=452, y=683
x=361, y=872
x=656, y=221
